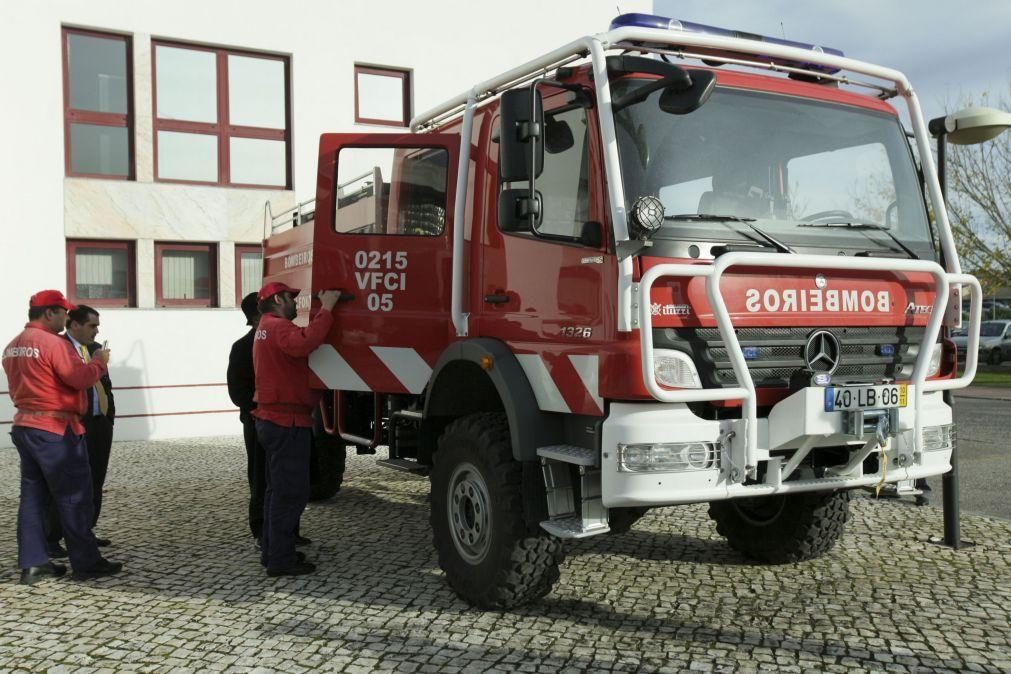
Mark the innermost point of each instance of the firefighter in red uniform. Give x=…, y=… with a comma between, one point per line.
x=47, y=382
x=284, y=405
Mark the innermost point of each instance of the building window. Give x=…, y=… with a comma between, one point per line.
x=382, y=96
x=248, y=270
x=97, y=104
x=101, y=273
x=221, y=117
x=186, y=274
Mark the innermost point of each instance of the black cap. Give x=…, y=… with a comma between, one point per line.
x=250, y=309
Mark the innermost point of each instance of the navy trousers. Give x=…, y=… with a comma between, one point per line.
x=287, y=450
x=58, y=466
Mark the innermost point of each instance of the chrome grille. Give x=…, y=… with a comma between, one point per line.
x=781, y=353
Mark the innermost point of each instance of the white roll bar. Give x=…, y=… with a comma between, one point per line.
x=594, y=47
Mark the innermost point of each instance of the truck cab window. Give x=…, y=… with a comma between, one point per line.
x=392, y=191
x=564, y=182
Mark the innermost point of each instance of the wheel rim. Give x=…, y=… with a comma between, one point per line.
x=760, y=511
x=469, y=513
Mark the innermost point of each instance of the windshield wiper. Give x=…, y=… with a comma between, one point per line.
x=726, y=219
x=866, y=226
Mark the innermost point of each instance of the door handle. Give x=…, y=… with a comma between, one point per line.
x=496, y=298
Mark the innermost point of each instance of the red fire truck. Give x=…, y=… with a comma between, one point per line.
x=665, y=264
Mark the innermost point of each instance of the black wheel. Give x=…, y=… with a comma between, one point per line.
x=490, y=558
x=784, y=528
x=621, y=520
x=996, y=357
x=326, y=467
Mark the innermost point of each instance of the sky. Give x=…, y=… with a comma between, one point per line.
x=947, y=55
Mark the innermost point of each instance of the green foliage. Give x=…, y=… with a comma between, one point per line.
x=979, y=191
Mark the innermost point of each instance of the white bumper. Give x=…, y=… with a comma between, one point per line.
x=794, y=422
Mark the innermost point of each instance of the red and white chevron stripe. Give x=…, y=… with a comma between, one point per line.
x=561, y=382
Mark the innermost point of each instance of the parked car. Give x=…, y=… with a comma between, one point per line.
x=994, y=342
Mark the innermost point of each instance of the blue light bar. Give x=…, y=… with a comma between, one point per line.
x=637, y=20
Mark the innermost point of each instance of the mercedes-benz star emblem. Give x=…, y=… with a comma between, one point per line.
x=822, y=352
x=820, y=281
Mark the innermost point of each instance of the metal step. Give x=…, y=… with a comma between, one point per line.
x=579, y=456
x=572, y=527
x=404, y=465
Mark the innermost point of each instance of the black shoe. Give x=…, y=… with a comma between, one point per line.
x=34, y=574
x=296, y=569
x=299, y=558
x=57, y=551
x=102, y=542
x=103, y=568
x=302, y=540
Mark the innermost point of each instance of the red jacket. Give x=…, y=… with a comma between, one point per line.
x=48, y=380
x=281, y=363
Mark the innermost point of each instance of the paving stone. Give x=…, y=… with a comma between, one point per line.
x=669, y=596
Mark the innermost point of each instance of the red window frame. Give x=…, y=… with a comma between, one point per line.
x=222, y=129
x=212, y=256
x=405, y=77
x=71, y=115
x=73, y=245
x=241, y=248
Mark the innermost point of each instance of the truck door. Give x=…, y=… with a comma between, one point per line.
x=547, y=297
x=383, y=232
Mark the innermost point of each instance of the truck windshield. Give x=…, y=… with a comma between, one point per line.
x=782, y=162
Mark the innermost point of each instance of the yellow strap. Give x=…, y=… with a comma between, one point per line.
x=884, y=470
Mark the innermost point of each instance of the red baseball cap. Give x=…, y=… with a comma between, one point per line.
x=50, y=298
x=274, y=287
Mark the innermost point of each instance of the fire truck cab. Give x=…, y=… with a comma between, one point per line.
x=665, y=264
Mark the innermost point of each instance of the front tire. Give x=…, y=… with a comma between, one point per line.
x=490, y=558
x=996, y=357
x=783, y=528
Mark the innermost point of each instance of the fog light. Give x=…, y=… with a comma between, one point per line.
x=675, y=369
x=938, y=438
x=668, y=457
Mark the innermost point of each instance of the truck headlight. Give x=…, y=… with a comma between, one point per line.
x=675, y=369
x=668, y=457
x=935, y=360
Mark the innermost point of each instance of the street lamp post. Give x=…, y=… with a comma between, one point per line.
x=965, y=127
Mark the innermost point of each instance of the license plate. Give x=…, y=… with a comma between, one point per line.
x=840, y=398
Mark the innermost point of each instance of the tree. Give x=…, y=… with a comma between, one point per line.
x=979, y=202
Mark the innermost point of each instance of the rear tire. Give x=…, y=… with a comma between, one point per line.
x=490, y=558
x=785, y=528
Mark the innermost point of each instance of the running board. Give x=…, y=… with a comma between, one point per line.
x=404, y=466
x=559, y=464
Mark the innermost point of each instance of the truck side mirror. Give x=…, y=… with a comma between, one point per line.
x=514, y=208
x=520, y=134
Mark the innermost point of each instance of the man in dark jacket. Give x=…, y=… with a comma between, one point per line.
x=284, y=405
x=241, y=387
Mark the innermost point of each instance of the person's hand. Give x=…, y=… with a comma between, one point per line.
x=328, y=298
x=101, y=355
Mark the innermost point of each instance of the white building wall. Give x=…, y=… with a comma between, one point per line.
x=168, y=365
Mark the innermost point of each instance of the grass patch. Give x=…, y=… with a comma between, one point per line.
x=993, y=376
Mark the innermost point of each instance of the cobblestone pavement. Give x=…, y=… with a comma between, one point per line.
x=668, y=596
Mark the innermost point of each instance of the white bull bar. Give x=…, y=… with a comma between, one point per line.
x=745, y=454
